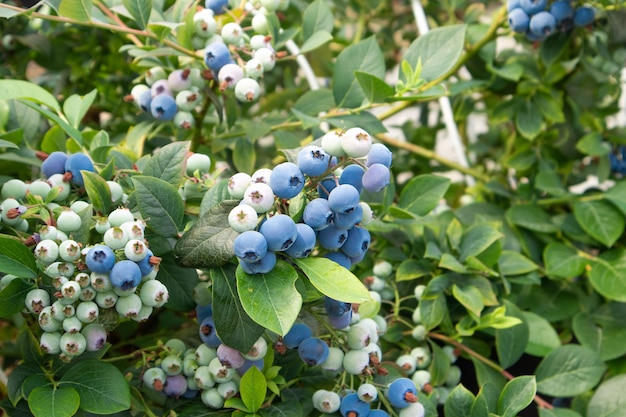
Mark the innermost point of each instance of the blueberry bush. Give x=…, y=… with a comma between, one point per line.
x=356, y=208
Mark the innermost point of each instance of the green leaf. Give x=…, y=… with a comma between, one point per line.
x=16, y=259
x=531, y=217
x=75, y=107
x=17, y=377
x=471, y=298
x=477, y=239
x=459, y=403
x=70, y=130
x=439, y=365
x=511, y=342
x=167, y=163
x=253, y=387
x=600, y=220
x=244, y=156
x=542, y=338
x=283, y=409
x=235, y=328
x=76, y=9
x=316, y=17
x=139, y=10
x=376, y=90
x=450, y=262
x=333, y=280
x=528, y=120
x=271, y=299
x=209, y=243
x=608, y=340
x=517, y=394
x=13, y=296
x=316, y=40
x=98, y=191
x=514, y=263
x=159, y=204
x=433, y=310
x=411, y=269
x=180, y=283
x=364, y=56
x=18, y=89
x=561, y=261
x=550, y=182
x=422, y=194
x=568, y=371
x=314, y=102
x=215, y=195
x=617, y=196
x=558, y=412
x=307, y=121
x=101, y=386
x=593, y=144
x=48, y=401
x=609, y=399
x=438, y=50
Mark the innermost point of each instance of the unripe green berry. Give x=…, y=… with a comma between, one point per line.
x=212, y=398
x=128, y=306
x=50, y=342
x=73, y=344
x=46, y=320
x=172, y=365
x=87, y=311
x=72, y=324
x=69, y=221
x=154, y=378
x=203, y=377
x=36, y=300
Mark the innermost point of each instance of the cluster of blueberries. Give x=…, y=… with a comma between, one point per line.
x=212, y=370
x=90, y=288
x=331, y=178
x=235, y=60
x=538, y=20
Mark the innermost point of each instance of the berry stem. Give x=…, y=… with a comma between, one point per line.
x=540, y=401
x=134, y=39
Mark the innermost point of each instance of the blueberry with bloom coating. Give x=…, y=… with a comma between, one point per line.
x=125, y=275
x=402, y=392
x=147, y=264
x=163, y=107
x=54, y=164
x=313, y=160
x=216, y=55
x=584, y=16
x=286, y=180
x=332, y=238
x=519, y=20
x=542, y=24
x=343, y=198
x=317, y=214
x=262, y=266
x=532, y=7
x=379, y=154
x=295, y=335
x=347, y=221
x=208, y=333
x=357, y=243
x=280, y=232
x=100, y=258
x=230, y=357
x=352, y=406
x=95, y=335
x=304, y=243
x=352, y=174
x=74, y=164
x=217, y=6
x=250, y=246
x=376, y=178
x=313, y=351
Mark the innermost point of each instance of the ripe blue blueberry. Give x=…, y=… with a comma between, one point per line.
x=144, y=101
x=562, y=11
x=262, y=266
x=512, y=4
x=542, y=24
x=208, y=334
x=54, y=164
x=332, y=238
x=343, y=198
x=125, y=275
x=216, y=55
x=295, y=335
x=378, y=413
x=326, y=186
x=358, y=242
x=352, y=406
x=313, y=351
x=532, y=7
x=336, y=308
x=304, y=243
x=376, y=178
x=348, y=220
x=402, y=392
x=286, y=180
x=352, y=174
x=100, y=258
x=584, y=16
x=146, y=265
x=280, y=232
x=163, y=107
x=313, y=160
x=250, y=246
x=518, y=20
x=339, y=258
x=217, y=6
x=317, y=214
x=379, y=154
x=78, y=162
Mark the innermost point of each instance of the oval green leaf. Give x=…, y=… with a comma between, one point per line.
x=333, y=280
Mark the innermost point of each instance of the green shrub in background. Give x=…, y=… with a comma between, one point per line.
x=484, y=283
